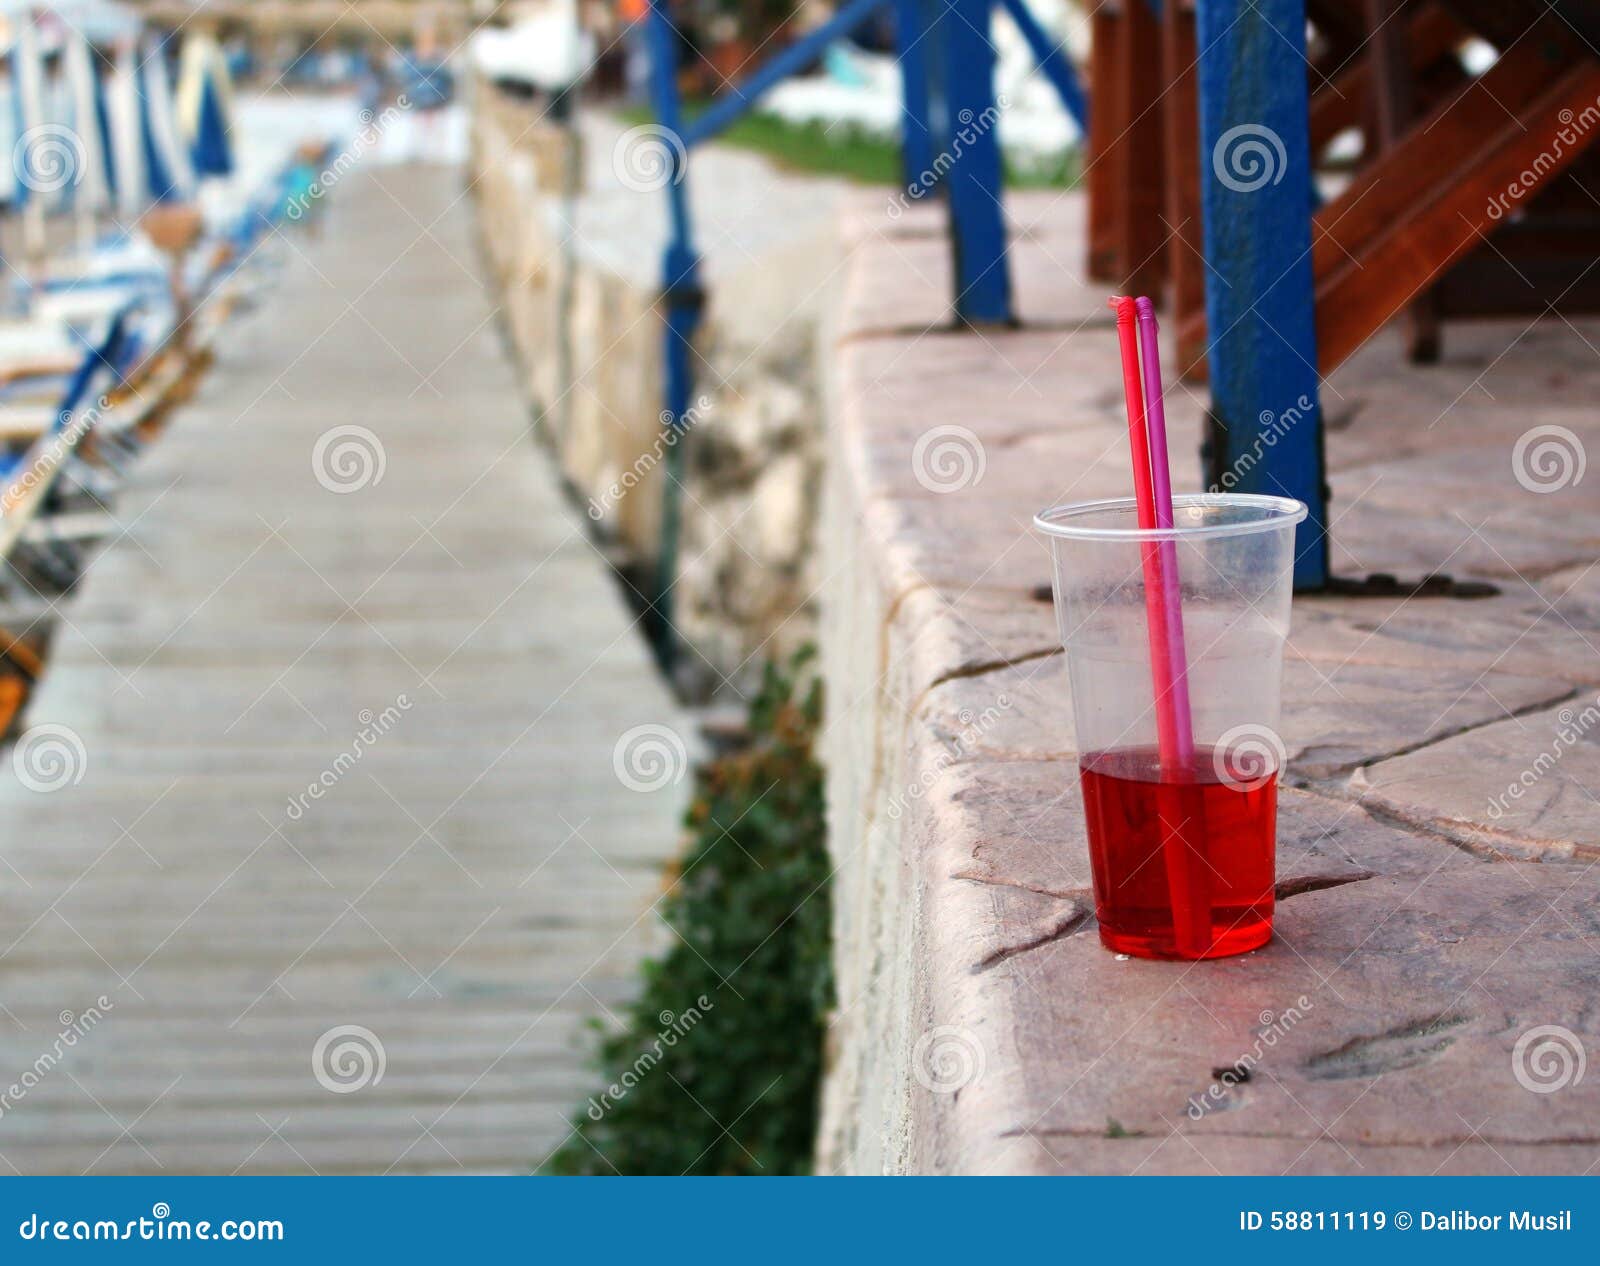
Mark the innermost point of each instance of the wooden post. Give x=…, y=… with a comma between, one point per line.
x=1105, y=125
x=1136, y=154
x=1181, y=140
x=1255, y=180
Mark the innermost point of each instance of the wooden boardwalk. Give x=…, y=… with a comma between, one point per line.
x=321, y=794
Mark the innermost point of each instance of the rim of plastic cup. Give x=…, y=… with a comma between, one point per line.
x=1277, y=512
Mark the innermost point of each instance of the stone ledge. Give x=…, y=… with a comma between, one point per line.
x=981, y=1027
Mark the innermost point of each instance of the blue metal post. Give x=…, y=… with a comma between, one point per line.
x=1054, y=64
x=916, y=133
x=1256, y=199
x=967, y=127
x=683, y=300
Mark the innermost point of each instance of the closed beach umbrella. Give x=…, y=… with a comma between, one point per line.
x=27, y=87
x=28, y=161
x=91, y=192
x=171, y=178
x=127, y=131
x=205, y=99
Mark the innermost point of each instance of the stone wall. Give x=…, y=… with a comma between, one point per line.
x=575, y=240
x=1423, y=929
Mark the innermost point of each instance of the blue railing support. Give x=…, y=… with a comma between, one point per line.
x=742, y=96
x=965, y=121
x=683, y=302
x=1053, y=63
x=916, y=138
x=1255, y=169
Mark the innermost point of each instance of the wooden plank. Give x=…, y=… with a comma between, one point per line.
x=1444, y=227
x=1430, y=155
x=1432, y=36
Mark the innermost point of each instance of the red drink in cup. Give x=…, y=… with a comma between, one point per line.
x=1181, y=831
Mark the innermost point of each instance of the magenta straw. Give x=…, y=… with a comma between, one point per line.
x=1161, y=486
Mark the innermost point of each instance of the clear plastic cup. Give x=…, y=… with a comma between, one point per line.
x=1177, y=733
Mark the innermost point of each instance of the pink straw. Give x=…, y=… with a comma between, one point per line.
x=1189, y=892
x=1161, y=488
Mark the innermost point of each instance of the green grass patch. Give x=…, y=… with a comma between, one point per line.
x=849, y=153
x=718, y=1065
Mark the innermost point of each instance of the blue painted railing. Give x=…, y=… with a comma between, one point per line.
x=948, y=139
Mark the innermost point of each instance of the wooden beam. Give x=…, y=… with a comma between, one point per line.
x=1432, y=37
x=1450, y=218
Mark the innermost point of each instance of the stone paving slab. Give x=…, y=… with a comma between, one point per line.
x=981, y=1026
x=437, y=649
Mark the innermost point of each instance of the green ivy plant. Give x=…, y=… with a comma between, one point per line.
x=718, y=1065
